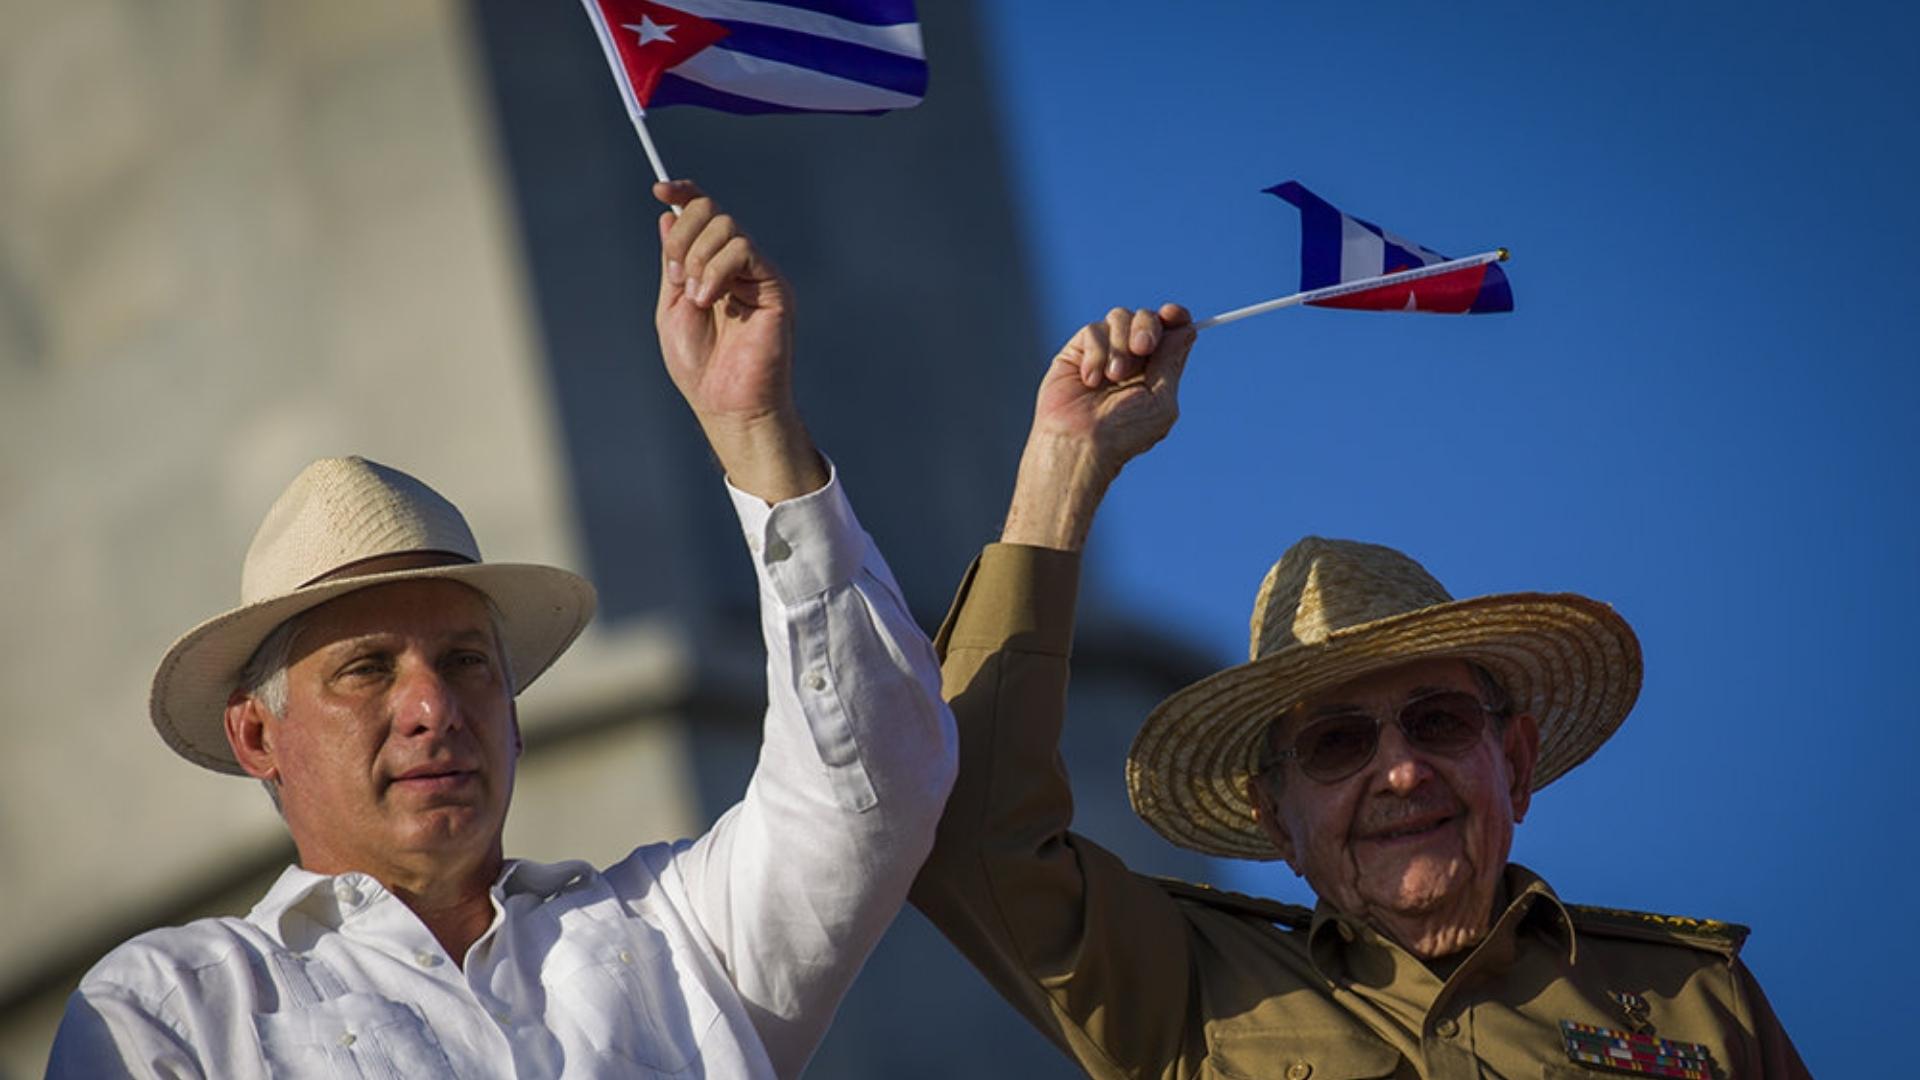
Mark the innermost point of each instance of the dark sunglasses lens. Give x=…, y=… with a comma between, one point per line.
x=1333, y=748
x=1443, y=723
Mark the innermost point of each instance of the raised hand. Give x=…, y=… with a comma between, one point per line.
x=1110, y=394
x=725, y=318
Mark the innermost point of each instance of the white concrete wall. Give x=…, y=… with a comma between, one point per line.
x=236, y=235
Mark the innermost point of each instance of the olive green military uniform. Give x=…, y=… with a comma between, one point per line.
x=1135, y=977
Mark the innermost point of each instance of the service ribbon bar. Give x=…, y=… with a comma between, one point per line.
x=1642, y=1055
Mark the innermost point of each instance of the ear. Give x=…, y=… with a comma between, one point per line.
x=246, y=722
x=1521, y=744
x=1266, y=813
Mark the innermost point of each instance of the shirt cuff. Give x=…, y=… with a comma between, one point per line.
x=1016, y=597
x=805, y=545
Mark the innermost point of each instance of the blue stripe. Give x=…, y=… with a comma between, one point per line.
x=870, y=12
x=889, y=71
x=1396, y=258
x=674, y=90
x=1495, y=294
x=1319, y=235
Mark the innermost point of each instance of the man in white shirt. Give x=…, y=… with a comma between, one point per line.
x=368, y=680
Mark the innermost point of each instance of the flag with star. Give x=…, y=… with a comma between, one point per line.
x=762, y=56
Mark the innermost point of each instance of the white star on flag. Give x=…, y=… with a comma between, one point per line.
x=650, y=31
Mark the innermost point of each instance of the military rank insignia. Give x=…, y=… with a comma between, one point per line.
x=1633, y=1052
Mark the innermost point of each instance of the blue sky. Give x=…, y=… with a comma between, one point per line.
x=1701, y=411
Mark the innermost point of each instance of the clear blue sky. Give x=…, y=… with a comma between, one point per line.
x=1703, y=409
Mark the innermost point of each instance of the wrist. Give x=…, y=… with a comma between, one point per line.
x=1058, y=490
x=769, y=456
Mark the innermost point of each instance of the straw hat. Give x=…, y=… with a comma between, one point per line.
x=340, y=513
x=1333, y=610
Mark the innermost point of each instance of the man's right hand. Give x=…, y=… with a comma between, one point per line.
x=1109, y=395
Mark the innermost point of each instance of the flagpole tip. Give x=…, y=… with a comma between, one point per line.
x=1503, y=253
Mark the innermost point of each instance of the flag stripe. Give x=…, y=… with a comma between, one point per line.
x=1362, y=250
x=1319, y=236
x=891, y=71
x=841, y=22
x=1495, y=294
x=741, y=77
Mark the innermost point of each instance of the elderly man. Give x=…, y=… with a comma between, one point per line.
x=1384, y=741
x=368, y=679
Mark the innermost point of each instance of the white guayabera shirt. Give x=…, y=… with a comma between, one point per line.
x=719, y=957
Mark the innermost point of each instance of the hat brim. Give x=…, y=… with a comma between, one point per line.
x=542, y=610
x=1571, y=662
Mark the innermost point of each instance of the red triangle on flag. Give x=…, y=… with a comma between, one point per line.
x=653, y=38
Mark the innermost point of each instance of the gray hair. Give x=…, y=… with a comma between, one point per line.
x=264, y=676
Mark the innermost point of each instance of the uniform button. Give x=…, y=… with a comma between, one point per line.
x=753, y=544
x=1447, y=1028
x=425, y=959
x=346, y=1038
x=816, y=682
x=1299, y=1070
x=777, y=549
x=626, y=957
x=344, y=892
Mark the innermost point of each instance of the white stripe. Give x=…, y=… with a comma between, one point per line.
x=785, y=84
x=902, y=40
x=1362, y=253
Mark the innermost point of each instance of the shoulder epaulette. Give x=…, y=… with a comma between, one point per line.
x=1291, y=916
x=1709, y=934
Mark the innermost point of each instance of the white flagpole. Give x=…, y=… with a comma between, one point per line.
x=1346, y=288
x=653, y=154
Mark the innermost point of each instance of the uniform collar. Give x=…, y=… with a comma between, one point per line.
x=1345, y=949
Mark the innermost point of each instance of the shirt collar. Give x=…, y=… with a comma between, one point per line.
x=1343, y=947
x=302, y=904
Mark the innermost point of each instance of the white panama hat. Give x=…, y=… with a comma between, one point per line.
x=340, y=513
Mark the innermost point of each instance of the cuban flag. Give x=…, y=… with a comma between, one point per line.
x=764, y=56
x=1336, y=248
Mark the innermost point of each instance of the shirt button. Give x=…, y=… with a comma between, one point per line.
x=1299, y=1070
x=816, y=682
x=1346, y=932
x=501, y=1016
x=344, y=892
x=777, y=549
x=425, y=959
x=753, y=544
x=626, y=957
x=1447, y=1028
x=346, y=1038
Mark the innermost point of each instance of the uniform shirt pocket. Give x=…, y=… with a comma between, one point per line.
x=1353, y=1054
x=351, y=1036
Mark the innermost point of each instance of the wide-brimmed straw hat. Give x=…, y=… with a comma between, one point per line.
x=340, y=513
x=1333, y=610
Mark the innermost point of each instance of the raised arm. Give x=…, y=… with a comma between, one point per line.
x=1093, y=955
x=794, y=885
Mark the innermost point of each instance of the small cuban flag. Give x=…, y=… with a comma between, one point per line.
x=1337, y=250
x=764, y=56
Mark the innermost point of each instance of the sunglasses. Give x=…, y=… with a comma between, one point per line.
x=1335, y=747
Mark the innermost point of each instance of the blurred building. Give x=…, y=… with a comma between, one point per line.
x=236, y=235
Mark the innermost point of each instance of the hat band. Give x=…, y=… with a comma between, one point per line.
x=402, y=560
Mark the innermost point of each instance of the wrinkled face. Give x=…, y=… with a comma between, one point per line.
x=1413, y=834
x=399, y=738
